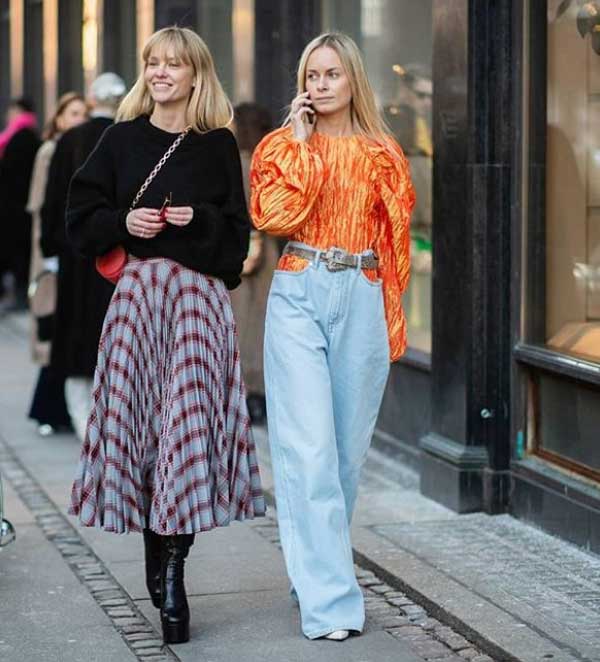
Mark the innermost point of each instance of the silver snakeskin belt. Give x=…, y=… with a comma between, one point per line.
x=335, y=259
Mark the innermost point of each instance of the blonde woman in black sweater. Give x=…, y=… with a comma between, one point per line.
x=168, y=449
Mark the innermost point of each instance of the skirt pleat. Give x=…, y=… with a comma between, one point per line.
x=169, y=445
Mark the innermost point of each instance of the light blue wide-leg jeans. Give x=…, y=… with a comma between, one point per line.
x=326, y=366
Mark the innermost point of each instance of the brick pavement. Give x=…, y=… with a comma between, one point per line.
x=550, y=585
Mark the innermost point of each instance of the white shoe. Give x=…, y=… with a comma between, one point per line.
x=338, y=635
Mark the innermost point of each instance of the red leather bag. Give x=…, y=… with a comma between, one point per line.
x=111, y=264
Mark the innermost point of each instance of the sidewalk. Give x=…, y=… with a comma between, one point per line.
x=430, y=577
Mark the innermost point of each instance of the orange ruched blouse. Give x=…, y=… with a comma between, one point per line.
x=348, y=192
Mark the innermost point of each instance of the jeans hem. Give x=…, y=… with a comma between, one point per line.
x=333, y=628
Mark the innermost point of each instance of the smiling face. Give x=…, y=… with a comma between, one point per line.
x=327, y=82
x=169, y=79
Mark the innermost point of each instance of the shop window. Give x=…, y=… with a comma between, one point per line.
x=395, y=37
x=561, y=325
x=572, y=314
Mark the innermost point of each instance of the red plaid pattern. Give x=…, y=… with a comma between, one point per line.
x=169, y=445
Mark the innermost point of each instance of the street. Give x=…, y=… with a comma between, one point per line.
x=70, y=594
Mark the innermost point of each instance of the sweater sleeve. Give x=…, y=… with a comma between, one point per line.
x=95, y=224
x=218, y=235
x=286, y=178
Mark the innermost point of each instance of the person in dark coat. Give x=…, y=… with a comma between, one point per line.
x=48, y=405
x=20, y=142
x=83, y=295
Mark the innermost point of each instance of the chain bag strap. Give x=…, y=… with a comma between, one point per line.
x=111, y=264
x=158, y=166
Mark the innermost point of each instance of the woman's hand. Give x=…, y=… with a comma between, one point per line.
x=144, y=223
x=255, y=254
x=180, y=216
x=300, y=112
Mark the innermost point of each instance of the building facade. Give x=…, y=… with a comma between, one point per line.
x=497, y=400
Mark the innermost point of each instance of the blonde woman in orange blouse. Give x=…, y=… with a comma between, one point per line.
x=335, y=183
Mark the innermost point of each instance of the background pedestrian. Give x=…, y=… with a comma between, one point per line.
x=48, y=406
x=19, y=143
x=83, y=295
x=251, y=123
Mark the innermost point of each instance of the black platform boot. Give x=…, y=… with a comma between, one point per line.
x=153, y=555
x=175, y=612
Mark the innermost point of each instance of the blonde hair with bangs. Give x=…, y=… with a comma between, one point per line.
x=366, y=118
x=208, y=107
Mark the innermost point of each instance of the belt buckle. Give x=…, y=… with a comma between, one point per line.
x=332, y=259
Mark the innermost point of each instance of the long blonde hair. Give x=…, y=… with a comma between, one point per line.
x=366, y=118
x=208, y=107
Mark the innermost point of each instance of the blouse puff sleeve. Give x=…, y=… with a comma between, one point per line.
x=397, y=199
x=285, y=178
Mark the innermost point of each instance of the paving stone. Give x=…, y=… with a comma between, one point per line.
x=92, y=572
x=429, y=649
x=122, y=622
x=380, y=589
x=455, y=641
x=79, y=558
x=407, y=632
x=381, y=607
x=394, y=622
x=137, y=628
x=361, y=573
x=399, y=601
x=468, y=653
x=379, y=613
x=148, y=643
x=139, y=636
x=118, y=613
x=98, y=585
x=430, y=624
x=151, y=653
x=412, y=610
x=114, y=602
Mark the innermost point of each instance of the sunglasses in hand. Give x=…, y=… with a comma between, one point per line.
x=162, y=214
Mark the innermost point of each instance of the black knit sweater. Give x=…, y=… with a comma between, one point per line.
x=204, y=173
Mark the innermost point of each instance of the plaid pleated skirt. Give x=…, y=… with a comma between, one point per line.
x=169, y=445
